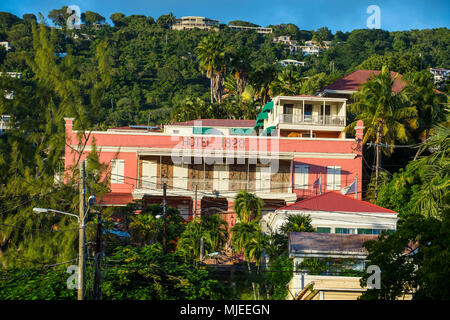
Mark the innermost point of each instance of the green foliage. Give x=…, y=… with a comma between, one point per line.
x=31, y=151
x=247, y=206
x=148, y=274
x=413, y=259
x=383, y=111
x=278, y=276
x=297, y=223
x=421, y=186
x=35, y=284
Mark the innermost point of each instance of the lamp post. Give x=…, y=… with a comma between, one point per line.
x=80, y=247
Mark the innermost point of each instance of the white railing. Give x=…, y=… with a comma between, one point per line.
x=312, y=119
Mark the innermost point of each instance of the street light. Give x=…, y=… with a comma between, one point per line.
x=45, y=210
x=80, y=244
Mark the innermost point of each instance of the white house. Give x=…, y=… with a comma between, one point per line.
x=288, y=62
x=6, y=45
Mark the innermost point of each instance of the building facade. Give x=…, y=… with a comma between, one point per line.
x=205, y=163
x=191, y=22
x=257, y=29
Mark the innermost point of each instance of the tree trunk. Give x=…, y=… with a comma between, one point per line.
x=253, y=283
x=377, y=163
x=212, y=95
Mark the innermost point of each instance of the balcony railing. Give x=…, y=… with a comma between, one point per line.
x=225, y=185
x=312, y=119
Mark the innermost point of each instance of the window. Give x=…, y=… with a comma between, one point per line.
x=323, y=230
x=117, y=171
x=308, y=135
x=333, y=178
x=301, y=177
x=288, y=109
x=308, y=112
x=344, y=230
x=373, y=231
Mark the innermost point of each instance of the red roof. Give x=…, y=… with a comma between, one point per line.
x=218, y=123
x=354, y=80
x=116, y=198
x=335, y=202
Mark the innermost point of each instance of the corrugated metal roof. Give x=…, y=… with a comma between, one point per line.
x=116, y=198
x=306, y=242
x=332, y=201
x=354, y=80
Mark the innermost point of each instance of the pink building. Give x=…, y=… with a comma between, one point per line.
x=301, y=151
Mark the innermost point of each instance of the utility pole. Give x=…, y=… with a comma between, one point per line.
x=195, y=203
x=98, y=258
x=201, y=249
x=378, y=161
x=81, y=236
x=164, y=217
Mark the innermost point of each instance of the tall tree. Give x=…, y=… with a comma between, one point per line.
x=386, y=114
x=31, y=152
x=211, y=57
x=240, y=67
x=261, y=80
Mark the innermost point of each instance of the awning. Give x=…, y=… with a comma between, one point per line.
x=241, y=131
x=206, y=130
x=267, y=107
x=262, y=115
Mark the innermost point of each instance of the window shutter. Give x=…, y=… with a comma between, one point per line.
x=301, y=177
x=333, y=178
x=117, y=171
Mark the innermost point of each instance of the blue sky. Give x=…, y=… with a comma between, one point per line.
x=344, y=15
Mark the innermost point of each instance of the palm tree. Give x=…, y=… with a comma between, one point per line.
x=421, y=94
x=245, y=233
x=261, y=80
x=247, y=206
x=191, y=109
x=297, y=223
x=436, y=167
x=240, y=67
x=385, y=114
x=217, y=229
x=211, y=58
x=254, y=250
x=191, y=238
x=287, y=83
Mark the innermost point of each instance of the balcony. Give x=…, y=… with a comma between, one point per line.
x=181, y=185
x=312, y=120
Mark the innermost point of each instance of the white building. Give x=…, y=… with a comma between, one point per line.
x=287, y=62
x=440, y=74
x=192, y=22
x=257, y=29
x=6, y=45
x=285, y=39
